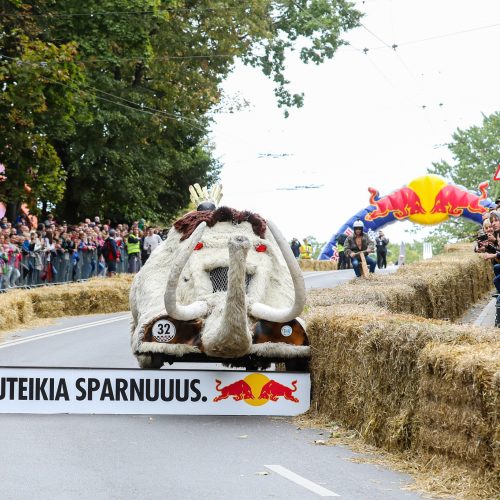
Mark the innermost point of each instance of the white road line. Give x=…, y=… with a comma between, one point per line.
x=301, y=481
x=62, y=330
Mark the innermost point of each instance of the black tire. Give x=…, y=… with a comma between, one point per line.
x=297, y=365
x=150, y=361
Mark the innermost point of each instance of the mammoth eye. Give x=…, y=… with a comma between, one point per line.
x=198, y=246
x=261, y=248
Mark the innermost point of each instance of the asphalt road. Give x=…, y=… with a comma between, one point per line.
x=150, y=457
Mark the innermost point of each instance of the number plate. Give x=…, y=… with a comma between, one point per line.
x=163, y=330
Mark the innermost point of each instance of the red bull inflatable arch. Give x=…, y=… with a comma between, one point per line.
x=427, y=200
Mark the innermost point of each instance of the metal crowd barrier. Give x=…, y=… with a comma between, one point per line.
x=66, y=268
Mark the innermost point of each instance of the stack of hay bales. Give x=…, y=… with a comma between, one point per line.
x=404, y=381
x=317, y=265
x=441, y=288
x=92, y=297
x=458, y=403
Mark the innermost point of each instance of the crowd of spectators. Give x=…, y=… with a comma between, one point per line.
x=55, y=251
x=488, y=244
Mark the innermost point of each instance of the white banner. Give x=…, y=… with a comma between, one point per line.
x=162, y=392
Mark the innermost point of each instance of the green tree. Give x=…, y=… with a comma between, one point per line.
x=152, y=71
x=476, y=155
x=34, y=108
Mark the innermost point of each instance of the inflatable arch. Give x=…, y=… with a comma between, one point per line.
x=427, y=200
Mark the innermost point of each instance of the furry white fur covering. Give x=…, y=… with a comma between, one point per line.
x=270, y=284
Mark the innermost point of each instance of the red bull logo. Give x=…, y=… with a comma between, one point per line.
x=401, y=203
x=427, y=200
x=256, y=389
x=453, y=200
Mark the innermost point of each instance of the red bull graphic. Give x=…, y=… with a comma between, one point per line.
x=426, y=200
x=237, y=390
x=401, y=203
x=256, y=389
x=453, y=201
x=273, y=390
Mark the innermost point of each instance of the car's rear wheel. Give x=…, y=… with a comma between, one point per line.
x=297, y=365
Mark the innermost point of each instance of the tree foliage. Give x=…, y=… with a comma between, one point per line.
x=476, y=156
x=120, y=91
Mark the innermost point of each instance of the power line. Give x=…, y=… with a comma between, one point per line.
x=139, y=106
x=435, y=37
x=123, y=12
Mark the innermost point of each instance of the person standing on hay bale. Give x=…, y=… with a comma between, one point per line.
x=357, y=244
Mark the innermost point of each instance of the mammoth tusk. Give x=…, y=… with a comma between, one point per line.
x=178, y=311
x=282, y=315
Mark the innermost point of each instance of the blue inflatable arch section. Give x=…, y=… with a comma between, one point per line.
x=371, y=226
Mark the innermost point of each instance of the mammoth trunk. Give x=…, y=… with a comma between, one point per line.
x=232, y=338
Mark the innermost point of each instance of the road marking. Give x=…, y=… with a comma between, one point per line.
x=301, y=481
x=63, y=330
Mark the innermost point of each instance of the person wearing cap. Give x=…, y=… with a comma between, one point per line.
x=359, y=243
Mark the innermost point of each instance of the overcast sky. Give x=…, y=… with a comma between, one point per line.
x=378, y=119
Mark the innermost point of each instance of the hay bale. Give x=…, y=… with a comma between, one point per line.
x=459, y=402
x=317, y=265
x=16, y=309
x=92, y=297
x=440, y=288
x=365, y=369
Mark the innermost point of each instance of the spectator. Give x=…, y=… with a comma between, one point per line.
x=489, y=246
x=134, y=251
x=306, y=250
x=343, y=260
x=111, y=253
x=359, y=243
x=381, y=242
x=295, y=246
x=151, y=242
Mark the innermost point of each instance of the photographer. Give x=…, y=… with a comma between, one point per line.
x=488, y=244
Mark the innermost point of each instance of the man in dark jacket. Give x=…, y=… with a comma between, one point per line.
x=111, y=253
x=381, y=242
x=295, y=246
x=359, y=243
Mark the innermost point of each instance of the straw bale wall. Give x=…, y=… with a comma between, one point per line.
x=317, y=265
x=459, y=403
x=440, y=288
x=384, y=364
x=95, y=296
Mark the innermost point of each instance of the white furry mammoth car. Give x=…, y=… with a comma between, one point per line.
x=224, y=286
